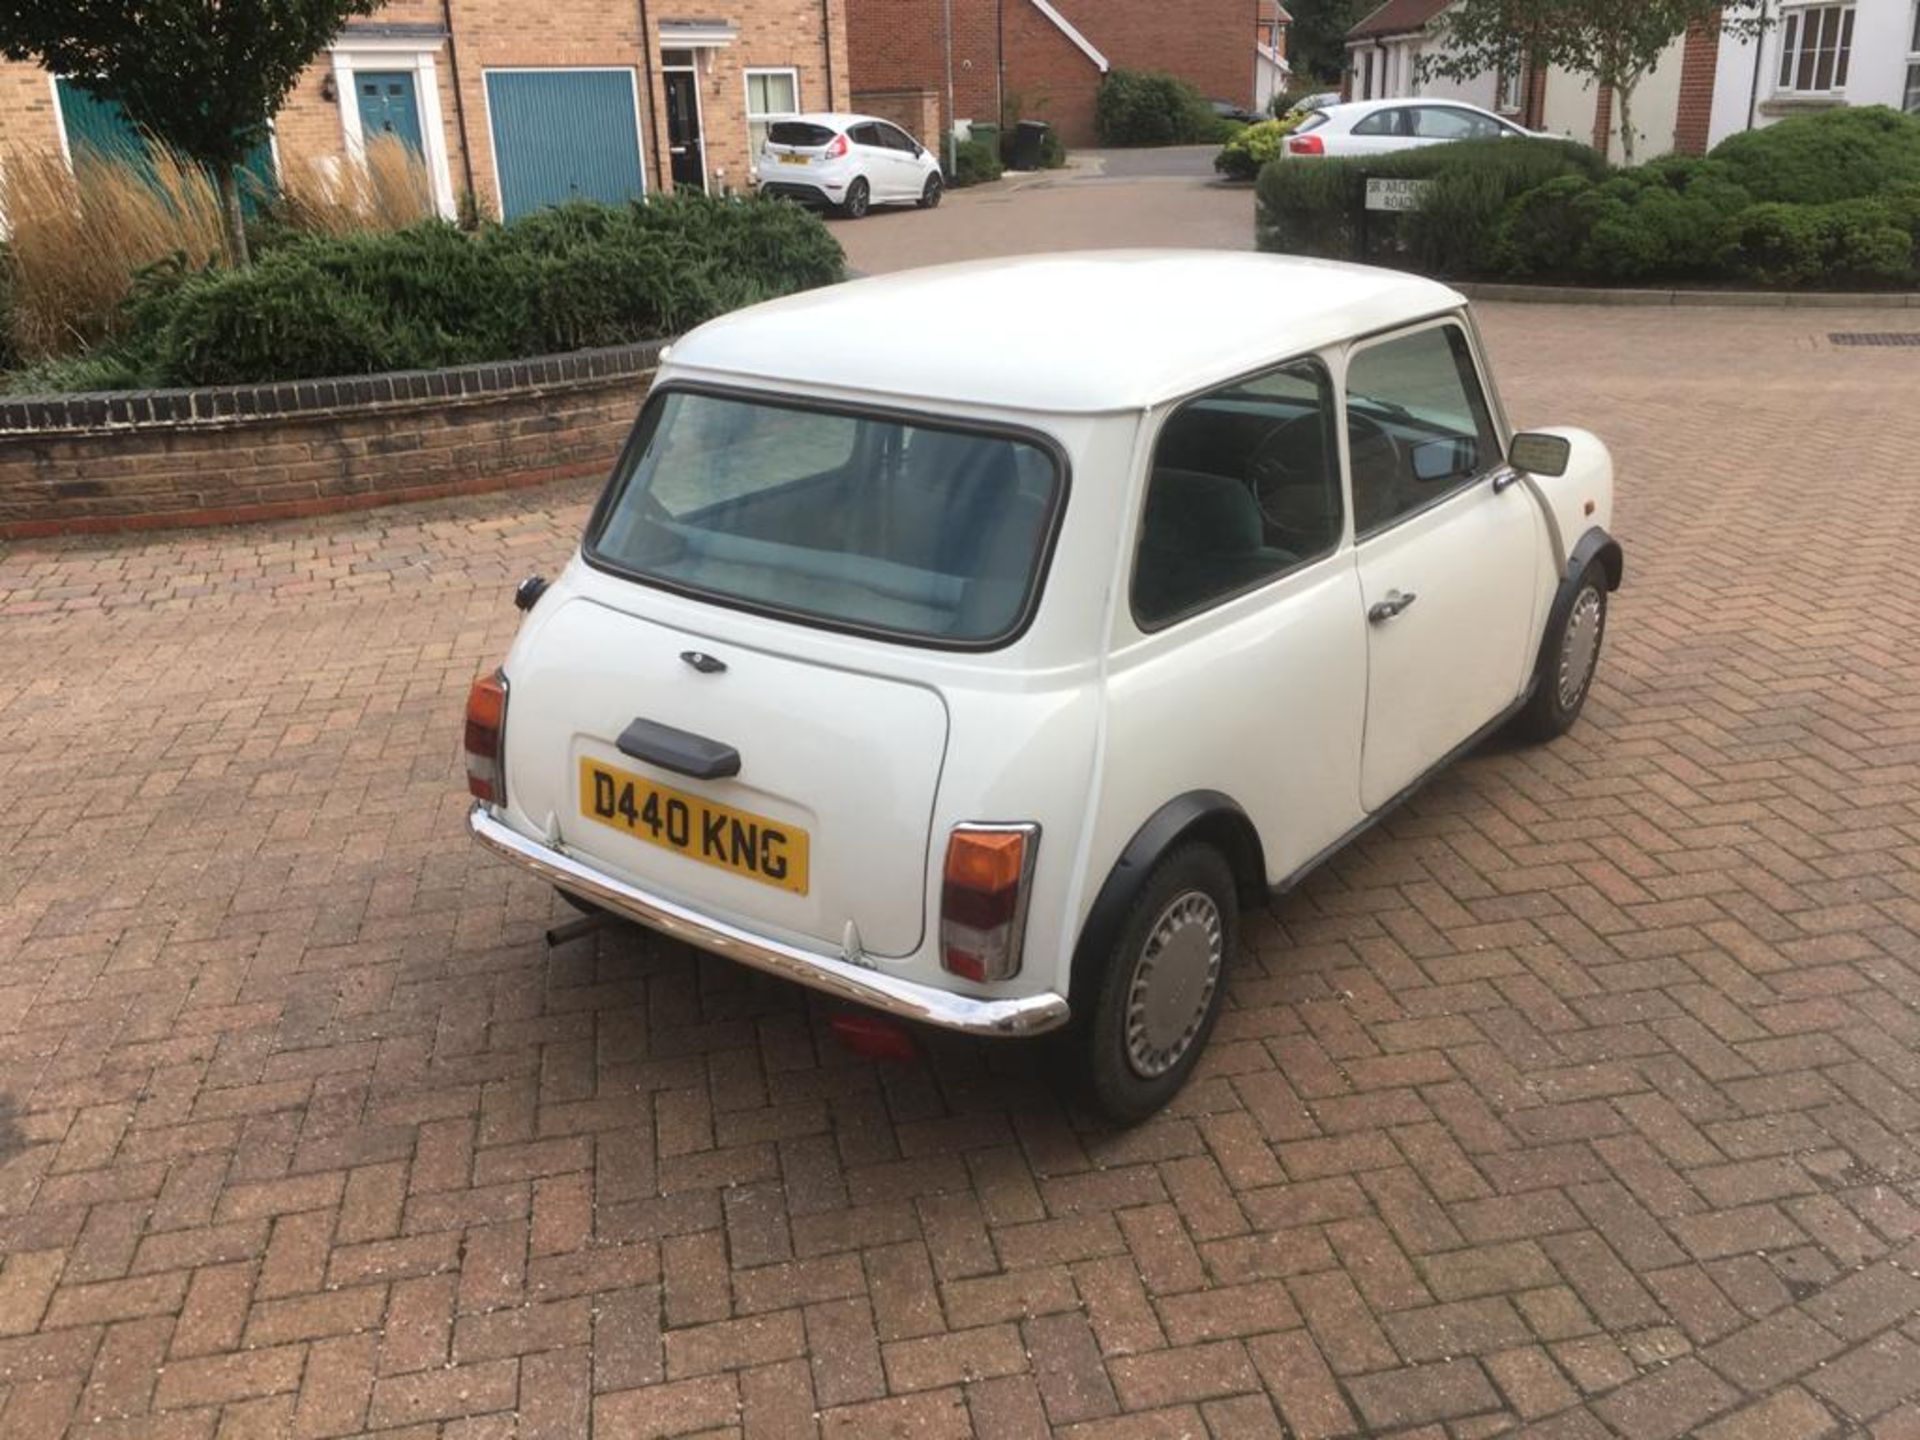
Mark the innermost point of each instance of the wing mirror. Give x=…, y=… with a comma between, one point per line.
x=1540, y=454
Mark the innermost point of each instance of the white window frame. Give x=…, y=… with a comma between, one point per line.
x=486, y=106
x=1794, y=28
x=692, y=67
x=354, y=54
x=746, y=89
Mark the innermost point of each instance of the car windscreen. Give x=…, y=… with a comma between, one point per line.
x=849, y=520
x=799, y=132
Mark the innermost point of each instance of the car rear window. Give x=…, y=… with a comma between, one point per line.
x=849, y=520
x=1315, y=119
x=799, y=132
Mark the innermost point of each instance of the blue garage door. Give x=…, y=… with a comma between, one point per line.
x=563, y=135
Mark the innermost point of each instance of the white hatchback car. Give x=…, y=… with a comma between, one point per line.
x=849, y=163
x=1378, y=127
x=981, y=682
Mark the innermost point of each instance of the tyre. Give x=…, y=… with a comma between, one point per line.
x=1162, y=988
x=930, y=195
x=859, y=199
x=1568, y=658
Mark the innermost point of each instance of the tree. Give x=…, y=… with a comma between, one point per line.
x=1317, y=38
x=203, y=76
x=1617, y=42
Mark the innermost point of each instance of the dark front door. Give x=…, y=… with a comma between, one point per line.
x=683, y=131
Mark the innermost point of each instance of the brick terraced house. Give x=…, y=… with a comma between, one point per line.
x=525, y=104
x=1048, y=55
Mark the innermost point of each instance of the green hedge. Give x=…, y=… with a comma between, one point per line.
x=975, y=162
x=1830, y=199
x=1253, y=147
x=1310, y=206
x=570, y=278
x=1147, y=107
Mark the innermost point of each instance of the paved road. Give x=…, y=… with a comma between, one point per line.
x=1085, y=208
x=1583, y=1094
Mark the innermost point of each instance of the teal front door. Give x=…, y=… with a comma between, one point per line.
x=562, y=135
x=389, y=106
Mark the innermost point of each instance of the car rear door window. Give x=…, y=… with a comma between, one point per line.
x=1418, y=424
x=1245, y=487
x=867, y=135
x=895, y=139
x=1382, y=122
x=1444, y=122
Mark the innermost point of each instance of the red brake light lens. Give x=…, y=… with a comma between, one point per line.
x=838, y=147
x=1306, y=145
x=986, y=885
x=486, y=735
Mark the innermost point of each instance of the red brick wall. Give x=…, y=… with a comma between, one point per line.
x=210, y=473
x=1699, y=59
x=900, y=45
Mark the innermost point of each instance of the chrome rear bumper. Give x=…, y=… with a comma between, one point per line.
x=908, y=999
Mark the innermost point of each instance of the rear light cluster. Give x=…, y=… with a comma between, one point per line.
x=837, y=148
x=983, y=899
x=486, y=739
x=1305, y=145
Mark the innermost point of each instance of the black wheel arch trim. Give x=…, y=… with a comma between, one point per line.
x=1207, y=815
x=1596, y=547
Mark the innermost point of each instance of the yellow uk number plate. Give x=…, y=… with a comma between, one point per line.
x=793, y=159
x=737, y=840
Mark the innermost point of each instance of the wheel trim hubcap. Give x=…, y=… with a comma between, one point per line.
x=1173, y=983
x=1580, y=649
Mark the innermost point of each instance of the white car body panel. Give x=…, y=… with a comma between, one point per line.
x=1284, y=699
x=1341, y=132
x=894, y=176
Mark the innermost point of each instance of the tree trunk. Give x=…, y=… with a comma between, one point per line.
x=1623, y=92
x=236, y=221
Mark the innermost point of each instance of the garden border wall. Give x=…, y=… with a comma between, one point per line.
x=163, y=459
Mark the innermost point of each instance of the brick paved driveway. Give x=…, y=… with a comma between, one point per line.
x=1585, y=1095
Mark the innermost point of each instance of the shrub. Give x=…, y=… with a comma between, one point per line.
x=1311, y=208
x=431, y=295
x=1842, y=154
x=1142, y=107
x=1860, y=242
x=1665, y=218
x=975, y=162
x=1244, y=156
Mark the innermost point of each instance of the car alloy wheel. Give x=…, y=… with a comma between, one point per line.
x=1173, y=983
x=858, y=198
x=930, y=196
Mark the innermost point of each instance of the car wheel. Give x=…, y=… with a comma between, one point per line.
x=1163, y=986
x=930, y=196
x=859, y=200
x=1567, y=662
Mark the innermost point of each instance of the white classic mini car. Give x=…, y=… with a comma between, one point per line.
x=973, y=643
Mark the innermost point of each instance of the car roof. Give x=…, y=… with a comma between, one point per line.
x=1367, y=107
x=1080, y=332
x=838, y=119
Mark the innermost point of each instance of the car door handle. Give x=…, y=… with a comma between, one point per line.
x=1391, y=606
x=678, y=750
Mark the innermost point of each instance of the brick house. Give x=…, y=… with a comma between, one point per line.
x=1817, y=54
x=1049, y=56
x=522, y=105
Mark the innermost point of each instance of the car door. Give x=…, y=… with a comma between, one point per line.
x=875, y=161
x=904, y=155
x=1380, y=133
x=1446, y=546
x=1432, y=123
x=1243, y=669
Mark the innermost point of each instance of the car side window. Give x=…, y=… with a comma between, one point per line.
x=1382, y=122
x=895, y=139
x=1244, y=488
x=1443, y=122
x=866, y=135
x=1418, y=424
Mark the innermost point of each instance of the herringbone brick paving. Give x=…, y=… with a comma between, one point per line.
x=1582, y=1099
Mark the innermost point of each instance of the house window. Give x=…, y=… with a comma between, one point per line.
x=771, y=95
x=1815, y=43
